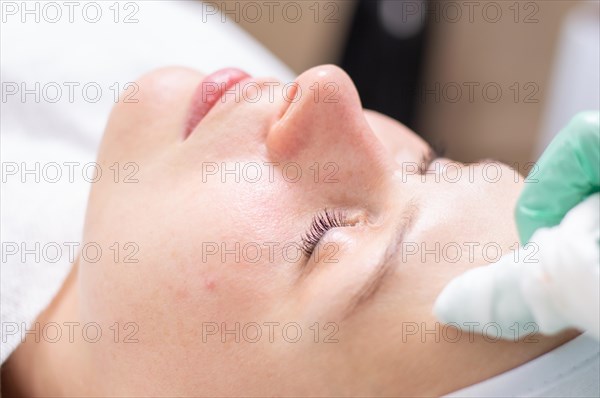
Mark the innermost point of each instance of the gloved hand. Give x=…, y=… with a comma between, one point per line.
x=553, y=281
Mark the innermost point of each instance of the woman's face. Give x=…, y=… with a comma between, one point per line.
x=209, y=238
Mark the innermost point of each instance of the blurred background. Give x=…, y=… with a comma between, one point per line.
x=482, y=79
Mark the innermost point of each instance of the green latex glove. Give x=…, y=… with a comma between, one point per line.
x=567, y=173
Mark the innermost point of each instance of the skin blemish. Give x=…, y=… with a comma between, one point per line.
x=210, y=284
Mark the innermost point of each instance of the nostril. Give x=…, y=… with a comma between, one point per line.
x=290, y=96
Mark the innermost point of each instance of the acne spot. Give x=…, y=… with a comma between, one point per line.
x=210, y=284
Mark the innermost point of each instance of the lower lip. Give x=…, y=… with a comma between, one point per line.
x=208, y=93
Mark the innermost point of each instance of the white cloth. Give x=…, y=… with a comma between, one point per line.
x=167, y=33
x=571, y=370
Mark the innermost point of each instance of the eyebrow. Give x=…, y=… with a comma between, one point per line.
x=388, y=260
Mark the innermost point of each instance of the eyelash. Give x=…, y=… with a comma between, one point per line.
x=321, y=223
x=436, y=150
x=329, y=219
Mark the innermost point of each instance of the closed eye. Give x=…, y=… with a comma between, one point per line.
x=434, y=152
x=322, y=222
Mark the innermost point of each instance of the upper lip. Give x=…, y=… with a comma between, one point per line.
x=201, y=105
x=208, y=93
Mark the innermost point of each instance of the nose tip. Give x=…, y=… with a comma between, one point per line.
x=324, y=104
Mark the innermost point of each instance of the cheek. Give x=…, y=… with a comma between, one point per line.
x=191, y=254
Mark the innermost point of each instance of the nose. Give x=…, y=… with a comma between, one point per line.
x=325, y=122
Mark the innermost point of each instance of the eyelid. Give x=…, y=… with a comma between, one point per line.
x=322, y=222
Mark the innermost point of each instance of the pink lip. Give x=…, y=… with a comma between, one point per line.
x=208, y=93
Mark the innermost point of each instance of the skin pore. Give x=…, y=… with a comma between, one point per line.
x=369, y=284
